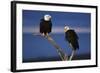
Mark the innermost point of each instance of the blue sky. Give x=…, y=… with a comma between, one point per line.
x=58, y=18
x=36, y=46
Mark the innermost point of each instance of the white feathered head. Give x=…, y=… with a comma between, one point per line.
x=66, y=28
x=47, y=17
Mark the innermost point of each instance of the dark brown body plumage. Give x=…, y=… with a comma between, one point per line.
x=72, y=38
x=45, y=26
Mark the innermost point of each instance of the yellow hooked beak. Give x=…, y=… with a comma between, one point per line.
x=65, y=30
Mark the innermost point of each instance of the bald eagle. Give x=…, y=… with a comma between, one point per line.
x=45, y=25
x=72, y=38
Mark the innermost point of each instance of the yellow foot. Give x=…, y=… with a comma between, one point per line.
x=43, y=34
x=46, y=34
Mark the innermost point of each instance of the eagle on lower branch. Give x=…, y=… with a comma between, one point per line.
x=72, y=38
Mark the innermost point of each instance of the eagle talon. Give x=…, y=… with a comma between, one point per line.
x=46, y=34
x=43, y=34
